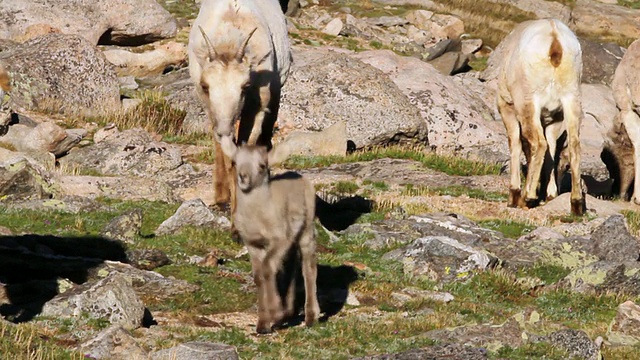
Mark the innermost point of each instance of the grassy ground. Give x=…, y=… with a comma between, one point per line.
x=381, y=324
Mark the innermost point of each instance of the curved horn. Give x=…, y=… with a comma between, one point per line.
x=240, y=53
x=210, y=48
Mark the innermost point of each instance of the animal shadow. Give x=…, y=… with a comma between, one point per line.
x=339, y=215
x=332, y=288
x=30, y=266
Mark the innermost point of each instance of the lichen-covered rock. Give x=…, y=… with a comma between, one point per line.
x=115, y=343
x=613, y=242
x=576, y=343
x=625, y=329
x=21, y=179
x=112, y=298
x=192, y=213
x=124, y=22
x=445, y=351
x=124, y=227
x=61, y=73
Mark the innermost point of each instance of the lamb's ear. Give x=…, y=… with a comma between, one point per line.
x=228, y=147
x=278, y=154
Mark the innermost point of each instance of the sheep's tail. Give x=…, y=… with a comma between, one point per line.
x=555, y=51
x=5, y=81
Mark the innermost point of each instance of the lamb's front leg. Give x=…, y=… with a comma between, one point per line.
x=257, y=257
x=270, y=266
x=631, y=122
x=256, y=130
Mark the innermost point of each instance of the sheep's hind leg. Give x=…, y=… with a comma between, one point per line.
x=573, y=116
x=552, y=132
x=533, y=132
x=631, y=122
x=310, y=274
x=515, y=146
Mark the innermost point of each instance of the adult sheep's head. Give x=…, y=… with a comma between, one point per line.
x=226, y=76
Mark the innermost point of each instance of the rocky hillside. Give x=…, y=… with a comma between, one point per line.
x=111, y=248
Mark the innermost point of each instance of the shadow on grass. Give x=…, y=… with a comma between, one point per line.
x=341, y=214
x=30, y=266
x=332, y=287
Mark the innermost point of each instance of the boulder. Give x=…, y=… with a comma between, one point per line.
x=599, y=61
x=326, y=87
x=116, y=187
x=600, y=110
x=625, y=328
x=612, y=22
x=61, y=73
x=123, y=22
x=330, y=141
x=541, y=8
x=44, y=137
x=111, y=298
x=125, y=227
x=114, y=342
x=130, y=152
x=146, y=63
x=445, y=351
x=458, y=121
x=192, y=213
x=22, y=179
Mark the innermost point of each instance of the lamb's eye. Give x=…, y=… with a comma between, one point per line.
x=205, y=88
x=263, y=167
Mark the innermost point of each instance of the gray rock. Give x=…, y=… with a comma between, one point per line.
x=625, y=328
x=61, y=73
x=613, y=242
x=592, y=17
x=125, y=22
x=575, y=342
x=387, y=21
x=493, y=336
x=147, y=259
x=192, y=213
x=42, y=138
x=116, y=187
x=334, y=27
x=450, y=63
x=330, y=141
x=446, y=351
x=125, y=227
x=130, y=152
x=605, y=277
x=326, y=87
x=111, y=298
x=599, y=61
x=21, y=179
x=146, y=284
x=197, y=350
x=115, y=343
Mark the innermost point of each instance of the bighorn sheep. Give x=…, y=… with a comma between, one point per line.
x=626, y=92
x=274, y=214
x=538, y=96
x=5, y=82
x=239, y=57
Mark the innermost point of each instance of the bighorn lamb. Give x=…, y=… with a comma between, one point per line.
x=538, y=97
x=626, y=92
x=239, y=57
x=273, y=215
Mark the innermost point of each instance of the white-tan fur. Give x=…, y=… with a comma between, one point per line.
x=626, y=92
x=239, y=58
x=272, y=215
x=5, y=82
x=539, y=79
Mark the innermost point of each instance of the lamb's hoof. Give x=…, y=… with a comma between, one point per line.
x=263, y=328
x=578, y=207
x=531, y=203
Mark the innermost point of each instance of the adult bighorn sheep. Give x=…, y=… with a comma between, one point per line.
x=239, y=57
x=273, y=215
x=538, y=97
x=626, y=92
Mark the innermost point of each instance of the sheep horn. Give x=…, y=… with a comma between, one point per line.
x=210, y=48
x=240, y=53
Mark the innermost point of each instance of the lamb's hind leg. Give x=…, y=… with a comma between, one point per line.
x=552, y=133
x=272, y=263
x=310, y=273
x=572, y=109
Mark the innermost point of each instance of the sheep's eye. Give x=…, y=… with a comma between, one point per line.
x=263, y=167
x=205, y=88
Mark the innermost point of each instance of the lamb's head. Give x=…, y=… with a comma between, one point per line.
x=251, y=162
x=224, y=80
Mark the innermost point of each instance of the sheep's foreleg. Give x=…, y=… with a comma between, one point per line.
x=573, y=116
x=257, y=258
x=533, y=132
x=631, y=122
x=515, y=146
x=272, y=262
x=310, y=273
x=221, y=180
x=552, y=132
x=256, y=130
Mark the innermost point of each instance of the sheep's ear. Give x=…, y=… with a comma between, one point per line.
x=278, y=154
x=229, y=148
x=243, y=47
